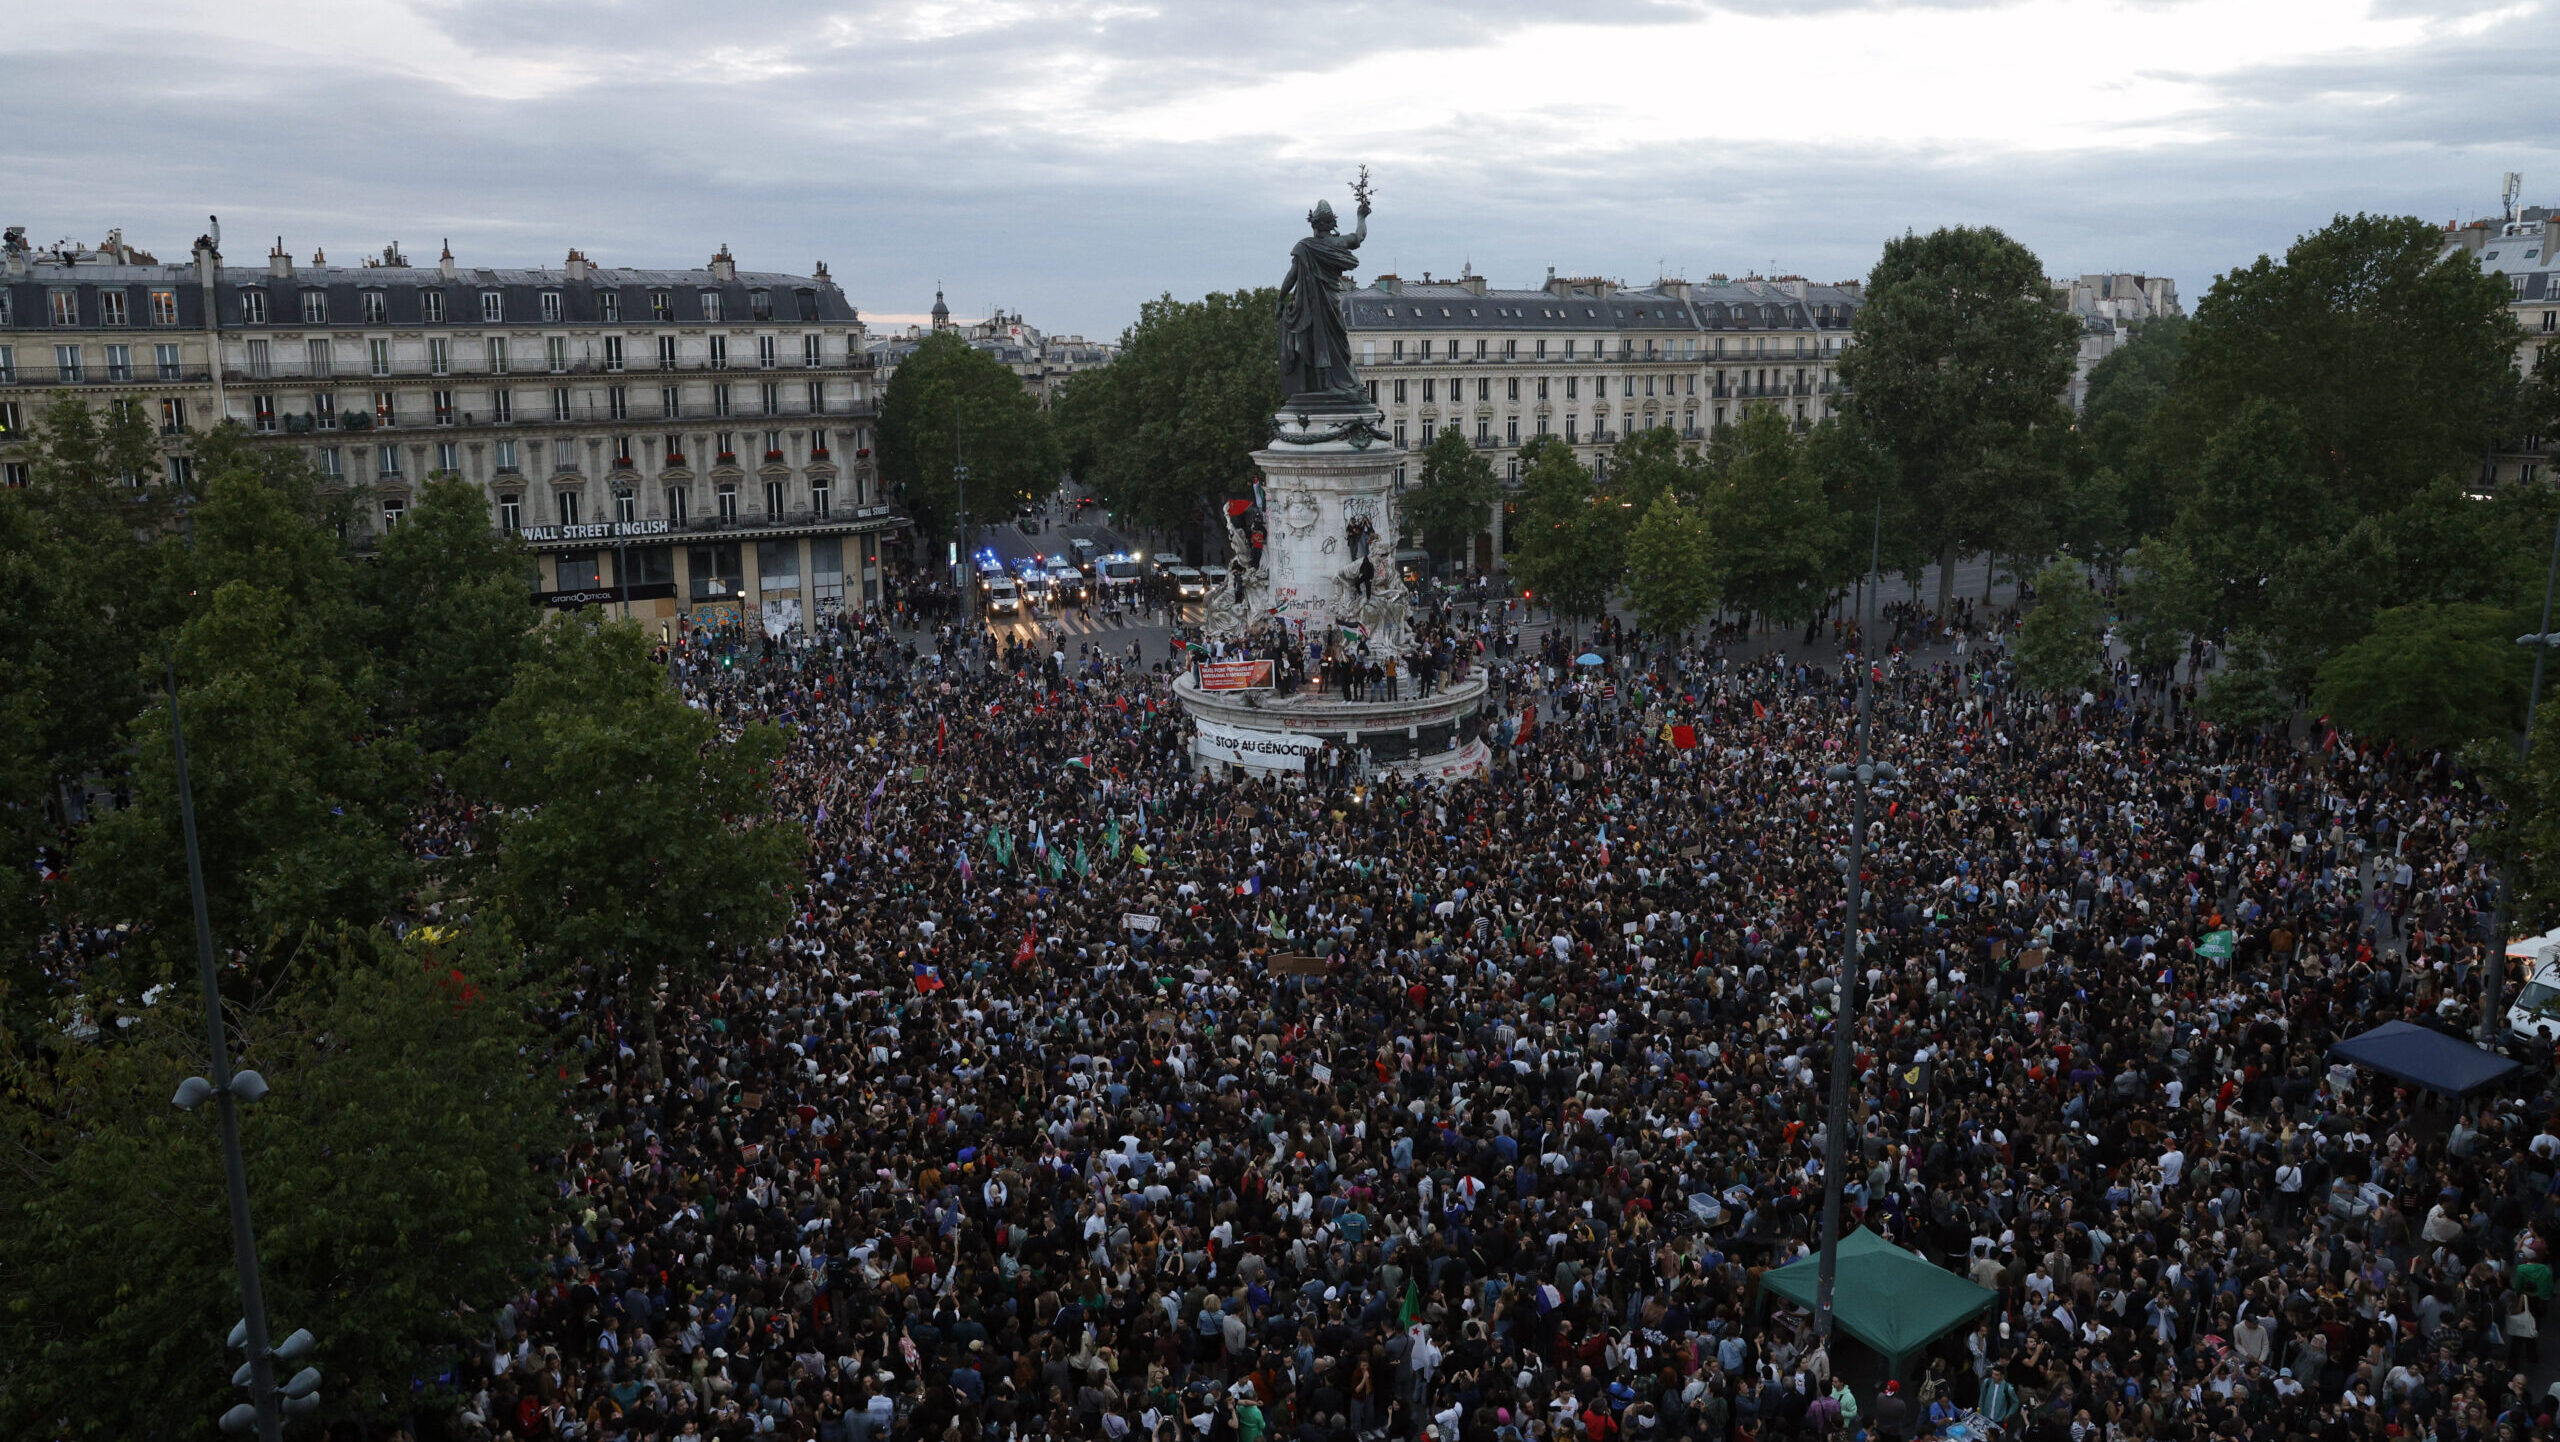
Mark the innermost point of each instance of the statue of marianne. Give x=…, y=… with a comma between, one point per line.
x=1315, y=354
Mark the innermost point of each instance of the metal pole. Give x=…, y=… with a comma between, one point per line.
x=2494, y=978
x=1844, y=1010
x=962, y=566
x=235, y=1168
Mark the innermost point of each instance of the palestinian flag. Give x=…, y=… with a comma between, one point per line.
x=1081, y=763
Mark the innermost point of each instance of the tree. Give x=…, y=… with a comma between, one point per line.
x=448, y=611
x=1778, y=538
x=2059, y=649
x=1452, y=503
x=627, y=834
x=1671, y=568
x=294, y=785
x=1168, y=430
x=1570, y=548
x=951, y=403
x=2245, y=693
x=394, y=1175
x=2128, y=392
x=2429, y=675
x=2395, y=359
x=1957, y=369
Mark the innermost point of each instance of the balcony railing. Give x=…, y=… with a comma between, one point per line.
x=99, y=375
x=638, y=418
x=299, y=369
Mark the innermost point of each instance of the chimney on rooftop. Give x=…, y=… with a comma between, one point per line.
x=278, y=262
x=577, y=264
x=444, y=263
x=723, y=265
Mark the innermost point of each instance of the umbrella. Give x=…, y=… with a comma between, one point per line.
x=1589, y=658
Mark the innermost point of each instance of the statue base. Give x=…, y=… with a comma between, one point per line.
x=1434, y=737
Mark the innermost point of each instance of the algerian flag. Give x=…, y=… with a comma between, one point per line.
x=1412, y=1304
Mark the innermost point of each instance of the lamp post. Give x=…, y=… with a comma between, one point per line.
x=1862, y=777
x=268, y=1403
x=961, y=560
x=2494, y=973
x=229, y=1090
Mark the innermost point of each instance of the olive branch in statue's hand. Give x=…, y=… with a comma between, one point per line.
x=1360, y=192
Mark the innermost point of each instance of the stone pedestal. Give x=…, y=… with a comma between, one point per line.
x=1324, y=475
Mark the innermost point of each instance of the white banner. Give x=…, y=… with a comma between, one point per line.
x=1262, y=750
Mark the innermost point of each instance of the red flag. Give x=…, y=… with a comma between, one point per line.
x=1759, y=711
x=1030, y=940
x=941, y=732
x=1685, y=737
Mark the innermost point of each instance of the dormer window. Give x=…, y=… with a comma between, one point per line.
x=493, y=305
x=551, y=307
x=711, y=305
x=253, y=307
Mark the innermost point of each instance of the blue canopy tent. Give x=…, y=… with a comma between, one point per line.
x=2424, y=1057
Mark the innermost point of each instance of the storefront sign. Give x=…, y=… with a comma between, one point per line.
x=1234, y=675
x=570, y=600
x=1262, y=750
x=593, y=531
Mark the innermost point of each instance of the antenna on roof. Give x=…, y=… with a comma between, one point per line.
x=2512, y=192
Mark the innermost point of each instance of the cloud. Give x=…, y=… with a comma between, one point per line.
x=1070, y=158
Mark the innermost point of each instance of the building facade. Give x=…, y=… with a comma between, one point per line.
x=1591, y=361
x=683, y=443
x=2520, y=248
x=2109, y=306
x=1043, y=361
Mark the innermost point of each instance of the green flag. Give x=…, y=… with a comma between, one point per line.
x=1412, y=1304
x=1111, y=838
x=2218, y=944
x=1083, y=867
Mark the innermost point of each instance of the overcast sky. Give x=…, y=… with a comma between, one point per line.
x=1071, y=158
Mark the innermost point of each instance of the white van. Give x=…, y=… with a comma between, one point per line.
x=2534, y=1013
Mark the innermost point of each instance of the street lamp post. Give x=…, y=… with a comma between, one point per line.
x=961, y=559
x=1863, y=776
x=227, y=1090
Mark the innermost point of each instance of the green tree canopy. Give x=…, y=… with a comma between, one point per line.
x=1957, y=368
x=2430, y=675
x=2128, y=393
x=1778, y=539
x=448, y=610
x=1452, y=502
x=1571, y=543
x=2396, y=361
x=948, y=403
x=2058, y=644
x=1167, y=431
x=628, y=834
x=392, y=1171
x=1671, y=567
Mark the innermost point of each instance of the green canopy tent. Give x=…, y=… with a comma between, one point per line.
x=1885, y=1297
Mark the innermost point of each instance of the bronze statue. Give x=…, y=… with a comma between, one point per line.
x=1315, y=354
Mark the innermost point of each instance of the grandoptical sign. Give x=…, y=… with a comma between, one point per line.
x=1264, y=750
x=593, y=531
x=1235, y=675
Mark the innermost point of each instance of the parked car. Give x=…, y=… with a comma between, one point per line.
x=1188, y=583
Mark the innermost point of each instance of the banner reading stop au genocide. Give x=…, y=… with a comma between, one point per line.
x=1235, y=675
x=1263, y=750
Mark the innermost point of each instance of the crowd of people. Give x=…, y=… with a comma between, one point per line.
x=1091, y=1095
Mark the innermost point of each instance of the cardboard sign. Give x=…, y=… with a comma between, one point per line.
x=1140, y=921
x=1323, y=1074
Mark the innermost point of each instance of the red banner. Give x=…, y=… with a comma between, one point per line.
x=1235, y=675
